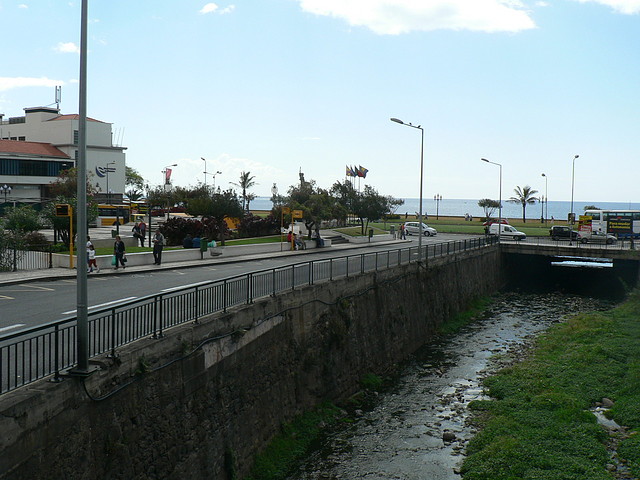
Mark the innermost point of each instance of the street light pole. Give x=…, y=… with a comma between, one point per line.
x=6, y=189
x=205, y=171
x=499, y=200
x=409, y=124
x=546, y=195
x=214, y=180
x=438, y=198
x=571, y=216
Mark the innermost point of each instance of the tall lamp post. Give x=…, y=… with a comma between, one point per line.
x=214, y=179
x=205, y=171
x=438, y=198
x=571, y=215
x=499, y=199
x=546, y=196
x=408, y=124
x=6, y=189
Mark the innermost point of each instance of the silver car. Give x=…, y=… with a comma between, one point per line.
x=596, y=237
x=413, y=228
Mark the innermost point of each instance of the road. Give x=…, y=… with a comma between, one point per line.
x=30, y=304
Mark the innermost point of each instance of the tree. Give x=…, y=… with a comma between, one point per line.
x=245, y=183
x=133, y=179
x=216, y=207
x=524, y=196
x=370, y=206
x=64, y=190
x=489, y=206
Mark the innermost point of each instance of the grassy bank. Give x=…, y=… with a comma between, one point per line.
x=538, y=426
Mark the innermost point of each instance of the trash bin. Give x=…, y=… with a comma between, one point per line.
x=370, y=234
x=113, y=233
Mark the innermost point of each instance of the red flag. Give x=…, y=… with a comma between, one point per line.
x=167, y=176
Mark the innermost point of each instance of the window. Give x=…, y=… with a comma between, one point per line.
x=75, y=137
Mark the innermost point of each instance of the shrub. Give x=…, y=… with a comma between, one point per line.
x=254, y=226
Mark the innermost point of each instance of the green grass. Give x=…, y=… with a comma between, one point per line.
x=249, y=241
x=538, y=427
x=295, y=440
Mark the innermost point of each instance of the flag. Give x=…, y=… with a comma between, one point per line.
x=362, y=172
x=167, y=176
x=349, y=173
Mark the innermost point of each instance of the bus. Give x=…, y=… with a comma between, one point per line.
x=621, y=223
x=107, y=214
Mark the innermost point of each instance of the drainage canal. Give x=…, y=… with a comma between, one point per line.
x=418, y=429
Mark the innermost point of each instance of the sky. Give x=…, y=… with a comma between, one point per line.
x=275, y=87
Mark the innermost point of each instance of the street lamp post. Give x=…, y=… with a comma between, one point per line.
x=214, y=179
x=546, y=195
x=205, y=171
x=6, y=189
x=408, y=124
x=571, y=216
x=499, y=199
x=438, y=198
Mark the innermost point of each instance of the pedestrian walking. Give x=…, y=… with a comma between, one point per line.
x=158, y=245
x=89, y=245
x=143, y=232
x=119, y=252
x=92, y=260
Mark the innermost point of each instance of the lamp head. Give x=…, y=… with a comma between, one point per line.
x=543, y=175
x=576, y=156
x=484, y=160
x=397, y=120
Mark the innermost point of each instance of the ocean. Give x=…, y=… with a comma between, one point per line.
x=461, y=207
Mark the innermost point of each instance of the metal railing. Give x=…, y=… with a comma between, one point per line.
x=49, y=349
x=37, y=257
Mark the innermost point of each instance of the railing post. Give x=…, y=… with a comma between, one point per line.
x=15, y=259
x=197, y=304
x=224, y=296
x=56, y=361
x=273, y=280
x=361, y=263
x=293, y=277
x=113, y=333
x=161, y=310
x=331, y=269
x=249, y=282
x=50, y=258
x=310, y=272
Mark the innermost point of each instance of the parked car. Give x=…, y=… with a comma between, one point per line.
x=596, y=237
x=562, y=232
x=413, y=228
x=506, y=231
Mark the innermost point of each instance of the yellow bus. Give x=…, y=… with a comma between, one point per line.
x=107, y=214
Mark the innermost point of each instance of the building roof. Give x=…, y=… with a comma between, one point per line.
x=73, y=116
x=31, y=148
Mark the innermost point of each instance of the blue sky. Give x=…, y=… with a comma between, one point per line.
x=275, y=86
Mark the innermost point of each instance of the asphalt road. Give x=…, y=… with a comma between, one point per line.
x=30, y=304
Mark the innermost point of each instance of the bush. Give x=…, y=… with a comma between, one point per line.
x=175, y=229
x=254, y=226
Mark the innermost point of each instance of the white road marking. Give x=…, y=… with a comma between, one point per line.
x=17, y=325
x=4, y=297
x=173, y=289
x=93, y=307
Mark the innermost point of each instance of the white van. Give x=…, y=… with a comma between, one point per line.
x=506, y=231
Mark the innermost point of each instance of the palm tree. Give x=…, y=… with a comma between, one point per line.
x=245, y=183
x=524, y=196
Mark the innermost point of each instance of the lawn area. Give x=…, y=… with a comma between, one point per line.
x=538, y=425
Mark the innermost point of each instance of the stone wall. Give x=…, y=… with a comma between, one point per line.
x=203, y=400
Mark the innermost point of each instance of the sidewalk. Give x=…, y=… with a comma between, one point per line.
x=49, y=274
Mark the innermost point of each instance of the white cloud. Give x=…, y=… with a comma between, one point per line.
x=627, y=7
x=213, y=8
x=394, y=17
x=22, y=5
x=542, y=4
x=7, y=83
x=67, y=47
x=209, y=8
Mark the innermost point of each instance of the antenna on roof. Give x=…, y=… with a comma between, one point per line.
x=58, y=96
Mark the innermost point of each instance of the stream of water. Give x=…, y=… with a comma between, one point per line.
x=419, y=428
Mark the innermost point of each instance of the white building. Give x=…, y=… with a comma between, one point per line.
x=30, y=168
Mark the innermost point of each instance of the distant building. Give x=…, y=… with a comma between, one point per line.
x=34, y=148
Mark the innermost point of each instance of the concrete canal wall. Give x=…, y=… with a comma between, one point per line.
x=203, y=400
